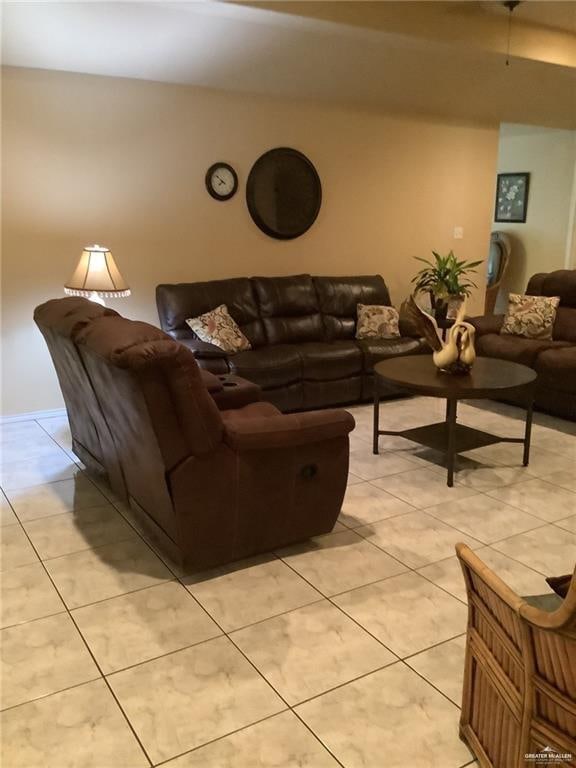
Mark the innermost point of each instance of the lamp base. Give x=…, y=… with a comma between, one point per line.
x=96, y=298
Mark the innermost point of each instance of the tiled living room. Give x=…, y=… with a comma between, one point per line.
x=288, y=465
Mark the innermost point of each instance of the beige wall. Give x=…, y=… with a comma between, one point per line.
x=122, y=163
x=543, y=243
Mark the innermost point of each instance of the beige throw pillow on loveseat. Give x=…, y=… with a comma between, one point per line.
x=219, y=328
x=531, y=317
x=377, y=322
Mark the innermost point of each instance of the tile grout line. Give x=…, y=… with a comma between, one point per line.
x=227, y=635
x=102, y=676
x=395, y=655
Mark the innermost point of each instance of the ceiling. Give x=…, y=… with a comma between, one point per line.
x=310, y=51
x=547, y=13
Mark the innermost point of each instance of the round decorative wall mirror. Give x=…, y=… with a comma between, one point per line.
x=283, y=193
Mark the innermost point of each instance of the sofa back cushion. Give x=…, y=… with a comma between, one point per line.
x=59, y=320
x=339, y=297
x=155, y=403
x=178, y=302
x=560, y=283
x=289, y=309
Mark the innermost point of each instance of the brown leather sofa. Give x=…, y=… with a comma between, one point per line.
x=302, y=331
x=209, y=485
x=554, y=360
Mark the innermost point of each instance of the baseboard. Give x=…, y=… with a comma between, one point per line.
x=33, y=415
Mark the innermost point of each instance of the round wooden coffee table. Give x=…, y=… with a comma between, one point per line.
x=489, y=378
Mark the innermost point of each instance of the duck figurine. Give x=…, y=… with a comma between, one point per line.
x=457, y=354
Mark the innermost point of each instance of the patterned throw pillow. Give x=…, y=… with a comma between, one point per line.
x=530, y=316
x=219, y=328
x=377, y=322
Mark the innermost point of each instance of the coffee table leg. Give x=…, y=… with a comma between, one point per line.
x=451, y=405
x=376, y=415
x=528, y=429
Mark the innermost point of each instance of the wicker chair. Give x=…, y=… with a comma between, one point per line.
x=519, y=693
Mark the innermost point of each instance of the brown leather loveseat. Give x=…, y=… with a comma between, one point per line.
x=302, y=331
x=210, y=485
x=554, y=360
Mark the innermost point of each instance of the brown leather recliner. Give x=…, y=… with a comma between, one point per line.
x=211, y=486
x=302, y=330
x=554, y=359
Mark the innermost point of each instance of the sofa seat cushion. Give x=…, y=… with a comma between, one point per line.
x=329, y=361
x=375, y=350
x=515, y=348
x=273, y=366
x=557, y=369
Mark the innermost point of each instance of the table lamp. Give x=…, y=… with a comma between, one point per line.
x=97, y=276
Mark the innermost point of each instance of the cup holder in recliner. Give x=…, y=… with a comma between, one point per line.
x=226, y=382
x=309, y=471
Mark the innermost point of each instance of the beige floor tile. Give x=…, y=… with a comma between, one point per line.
x=78, y=728
x=523, y=580
x=55, y=498
x=339, y=562
x=543, y=500
x=41, y=446
x=365, y=464
x=249, y=591
x=422, y=487
x=74, y=531
x=353, y=480
x=542, y=462
x=15, y=549
x=127, y=630
x=42, y=657
x=416, y=539
x=92, y=575
x=390, y=718
x=485, y=518
x=365, y=503
x=36, y=471
x=447, y=574
x=569, y=524
x=26, y=594
x=7, y=516
x=310, y=650
x=176, y=718
x=25, y=431
x=554, y=440
x=281, y=741
x=482, y=478
x=407, y=613
x=443, y=666
x=549, y=550
x=57, y=427
x=565, y=479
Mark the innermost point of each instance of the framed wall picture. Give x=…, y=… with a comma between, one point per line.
x=512, y=197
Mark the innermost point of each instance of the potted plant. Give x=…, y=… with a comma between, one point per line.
x=444, y=279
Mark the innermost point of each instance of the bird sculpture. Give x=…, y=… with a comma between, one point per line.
x=457, y=354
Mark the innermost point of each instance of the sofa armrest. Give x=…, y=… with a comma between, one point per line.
x=212, y=383
x=288, y=430
x=204, y=350
x=487, y=323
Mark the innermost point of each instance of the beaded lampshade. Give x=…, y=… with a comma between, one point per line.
x=97, y=276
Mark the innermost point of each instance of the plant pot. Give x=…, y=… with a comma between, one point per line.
x=440, y=309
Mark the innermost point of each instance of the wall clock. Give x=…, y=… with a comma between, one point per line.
x=221, y=181
x=283, y=193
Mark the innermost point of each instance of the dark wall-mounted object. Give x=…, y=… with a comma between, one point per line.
x=283, y=193
x=512, y=197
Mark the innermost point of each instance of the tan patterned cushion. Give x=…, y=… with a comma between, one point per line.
x=530, y=316
x=219, y=328
x=376, y=322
